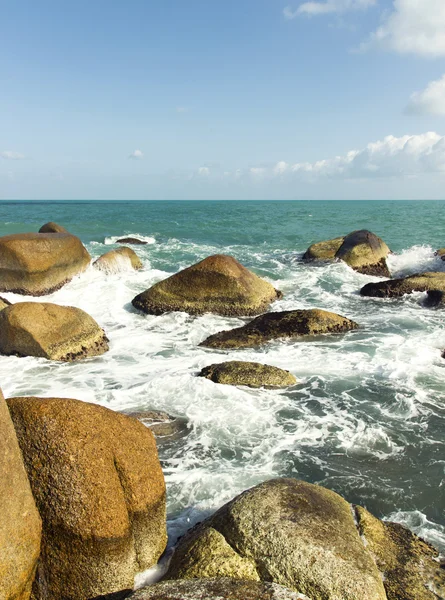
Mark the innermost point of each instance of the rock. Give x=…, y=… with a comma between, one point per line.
x=290, y=532
x=440, y=253
x=289, y=324
x=218, y=284
x=252, y=374
x=409, y=565
x=131, y=240
x=115, y=261
x=216, y=589
x=395, y=288
x=162, y=424
x=36, y=264
x=52, y=227
x=50, y=331
x=100, y=491
x=20, y=525
x=435, y=299
x=323, y=250
x=4, y=303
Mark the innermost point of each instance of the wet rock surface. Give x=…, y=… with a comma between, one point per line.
x=395, y=288
x=251, y=374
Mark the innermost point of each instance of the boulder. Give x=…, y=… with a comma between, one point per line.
x=323, y=250
x=218, y=284
x=20, y=525
x=36, y=264
x=290, y=324
x=115, y=261
x=131, y=240
x=100, y=491
x=440, y=253
x=50, y=331
x=216, y=589
x=435, y=299
x=4, y=303
x=163, y=426
x=52, y=227
x=252, y=374
x=395, y=288
x=289, y=532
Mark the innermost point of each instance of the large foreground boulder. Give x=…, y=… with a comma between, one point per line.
x=395, y=288
x=289, y=532
x=100, y=491
x=20, y=525
x=275, y=325
x=218, y=284
x=216, y=589
x=251, y=374
x=52, y=227
x=50, y=331
x=121, y=259
x=36, y=264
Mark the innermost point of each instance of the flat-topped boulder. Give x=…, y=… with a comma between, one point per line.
x=37, y=264
x=100, y=491
x=325, y=250
x=218, y=284
x=132, y=240
x=50, y=331
x=290, y=324
x=251, y=374
x=395, y=288
x=121, y=259
x=20, y=525
x=52, y=227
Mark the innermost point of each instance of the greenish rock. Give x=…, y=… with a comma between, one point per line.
x=291, y=324
x=121, y=259
x=323, y=250
x=251, y=374
x=395, y=288
x=440, y=253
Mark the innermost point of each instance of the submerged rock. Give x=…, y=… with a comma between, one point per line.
x=275, y=325
x=100, y=491
x=252, y=374
x=163, y=426
x=132, y=240
x=20, y=525
x=216, y=589
x=50, y=331
x=121, y=259
x=52, y=227
x=435, y=299
x=218, y=284
x=323, y=250
x=36, y=264
x=4, y=303
x=395, y=288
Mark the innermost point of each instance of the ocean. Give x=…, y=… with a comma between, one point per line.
x=367, y=417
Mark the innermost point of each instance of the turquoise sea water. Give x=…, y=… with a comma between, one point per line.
x=367, y=417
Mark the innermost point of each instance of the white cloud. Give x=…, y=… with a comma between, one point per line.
x=327, y=7
x=413, y=27
x=204, y=171
x=137, y=155
x=9, y=155
x=430, y=101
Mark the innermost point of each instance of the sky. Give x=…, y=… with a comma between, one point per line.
x=203, y=99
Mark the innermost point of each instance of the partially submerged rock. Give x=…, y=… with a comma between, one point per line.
x=36, y=264
x=251, y=374
x=395, y=288
x=50, y=331
x=132, y=240
x=20, y=525
x=323, y=250
x=435, y=299
x=440, y=253
x=164, y=426
x=218, y=284
x=100, y=491
x=121, y=259
x=289, y=324
x=52, y=227
x=4, y=303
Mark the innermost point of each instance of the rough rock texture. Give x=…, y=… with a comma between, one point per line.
x=215, y=589
x=20, y=525
x=50, y=331
x=218, y=284
x=36, y=264
x=115, y=261
x=434, y=299
x=100, y=491
x=52, y=227
x=395, y=288
x=252, y=374
x=4, y=303
x=440, y=253
x=409, y=565
x=131, y=240
x=164, y=426
x=286, y=531
x=323, y=250
x=275, y=325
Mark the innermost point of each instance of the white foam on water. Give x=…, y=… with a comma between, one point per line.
x=421, y=526
x=416, y=259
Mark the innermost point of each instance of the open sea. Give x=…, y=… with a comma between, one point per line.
x=367, y=417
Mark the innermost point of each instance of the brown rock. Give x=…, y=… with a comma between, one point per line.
x=395, y=288
x=4, y=303
x=52, y=227
x=440, y=253
x=50, y=331
x=100, y=491
x=36, y=264
x=20, y=525
x=365, y=252
x=131, y=240
x=118, y=260
x=251, y=374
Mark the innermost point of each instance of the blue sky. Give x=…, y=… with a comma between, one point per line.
x=151, y=99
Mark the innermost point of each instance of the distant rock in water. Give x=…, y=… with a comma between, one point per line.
x=251, y=374
x=165, y=427
x=362, y=250
x=52, y=227
x=289, y=324
x=218, y=284
x=132, y=240
x=395, y=288
x=50, y=331
x=121, y=259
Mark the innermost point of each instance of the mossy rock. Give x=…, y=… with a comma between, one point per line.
x=251, y=374
x=218, y=284
x=52, y=227
x=121, y=259
x=323, y=250
x=291, y=324
x=132, y=240
x=395, y=288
